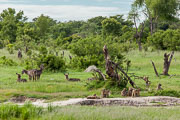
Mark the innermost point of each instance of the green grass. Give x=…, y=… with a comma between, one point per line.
x=53, y=86
x=14, y=112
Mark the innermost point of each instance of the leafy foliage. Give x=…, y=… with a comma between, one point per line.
x=6, y=61
x=52, y=62
x=166, y=40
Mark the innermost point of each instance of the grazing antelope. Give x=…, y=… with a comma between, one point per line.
x=71, y=79
x=19, y=78
x=39, y=72
x=30, y=73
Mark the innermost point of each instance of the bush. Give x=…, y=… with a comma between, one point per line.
x=83, y=62
x=165, y=40
x=43, y=50
x=10, y=48
x=52, y=62
x=89, y=51
x=6, y=61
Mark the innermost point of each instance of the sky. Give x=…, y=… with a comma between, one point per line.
x=65, y=10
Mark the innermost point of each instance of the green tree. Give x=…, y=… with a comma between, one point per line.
x=43, y=25
x=10, y=20
x=156, y=10
x=111, y=26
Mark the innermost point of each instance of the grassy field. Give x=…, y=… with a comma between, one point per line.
x=14, y=112
x=53, y=86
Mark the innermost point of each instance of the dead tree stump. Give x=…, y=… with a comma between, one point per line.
x=167, y=62
x=112, y=69
x=155, y=70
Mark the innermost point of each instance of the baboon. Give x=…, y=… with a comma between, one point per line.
x=19, y=54
x=30, y=73
x=39, y=72
x=93, y=97
x=159, y=87
x=105, y=93
x=71, y=79
x=130, y=91
x=19, y=78
x=146, y=79
x=124, y=92
x=136, y=92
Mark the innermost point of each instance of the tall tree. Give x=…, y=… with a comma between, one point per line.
x=156, y=10
x=10, y=20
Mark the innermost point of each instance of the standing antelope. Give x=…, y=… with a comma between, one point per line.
x=30, y=73
x=39, y=72
x=71, y=79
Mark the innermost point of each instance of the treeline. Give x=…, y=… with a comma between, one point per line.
x=85, y=39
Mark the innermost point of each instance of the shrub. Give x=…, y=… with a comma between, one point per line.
x=43, y=50
x=52, y=62
x=6, y=61
x=10, y=48
x=83, y=62
x=166, y=40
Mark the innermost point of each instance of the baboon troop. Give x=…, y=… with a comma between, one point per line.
x=19, y=78
x=105, y=93
x=159, y=87
x=131, y=92
x=71, y=79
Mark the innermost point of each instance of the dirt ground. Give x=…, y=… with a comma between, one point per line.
x=129, y=101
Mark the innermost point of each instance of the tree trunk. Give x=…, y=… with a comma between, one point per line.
x=109, y=66
x=167, y=62
x=140, y=45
